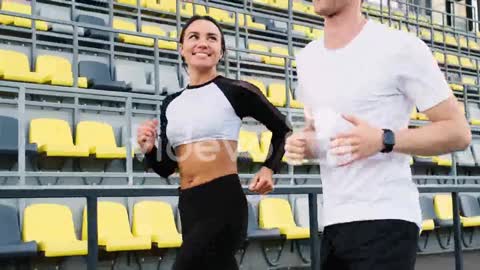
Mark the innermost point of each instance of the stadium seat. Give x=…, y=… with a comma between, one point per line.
x=99, y=77
x=120, y=24
x=15, y=66
x=259, y=84
x=54, y=12
x=452, y=60
x=471, y=81
x=278, y=61
x=247, y=20
x=259, y=48
x=302, y=215
x=425, y=34
x=248, y=143
x=470, y=209
x=54, y=138
x=465, y=158
x=11, y=245
x=316, y=33
x=451, y=40
x=254, y=233
x=474, y=113
x=428, y=214
x=169, y=82
x=277, y=94
x=440, y=57
x=158, y=31
x=164, y=5
x=93, y=33
x=155, y=220
x=9, y=137
x=466, y=62
x=277, y=213
x=22, y=8
x=276, y=26
x=299, y=6
x=221, y=15
x=265, y=138
x=294, y=103
x=114, y=229
x=188, y=9
x=443, y=160
x=301, y=30
x=51, y=226
x=58, y=70
x=443, y=209
x=99, y=138
x=136, y=77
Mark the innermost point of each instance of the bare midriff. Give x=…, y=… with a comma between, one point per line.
x=205, y=161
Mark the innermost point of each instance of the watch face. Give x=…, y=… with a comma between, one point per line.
x=389, y=138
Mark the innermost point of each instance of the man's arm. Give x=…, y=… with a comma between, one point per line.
x=448, y=132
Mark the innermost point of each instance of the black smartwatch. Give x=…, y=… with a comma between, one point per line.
x=388, y=141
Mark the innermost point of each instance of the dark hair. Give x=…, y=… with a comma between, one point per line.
x=206, y=18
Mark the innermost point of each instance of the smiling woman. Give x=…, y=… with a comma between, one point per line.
x=199, y=129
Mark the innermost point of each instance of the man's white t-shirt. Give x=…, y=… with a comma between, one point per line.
x=378, y=77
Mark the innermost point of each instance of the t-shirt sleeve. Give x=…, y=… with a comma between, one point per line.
x=420, y=78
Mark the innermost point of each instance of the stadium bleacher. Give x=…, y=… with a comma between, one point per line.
x=76, y=77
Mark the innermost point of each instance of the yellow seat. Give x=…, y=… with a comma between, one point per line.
x=422, y=116
x=26, y=9
x=307, y=31
x=277, y=213
x=316, y=33
x=128, y=2
x=471, y=221
x=473, y=45
x=16, y=67
x=453, y=60
x=114, y=229
x=221, y=15
x=451, y=40
x=444, y=160
x=277, y=94
x=155, y=220
x=120, y=24
x=299, y=7
x=259, y=48
x=99, y=138
x=283, y=4
x=164, y=5
x=51, y=226
x=187, y=10
x=246, y=20
x=265, y=138
x=456, y=87
x=157, y=31
x=413, y=114
x=425, y=34
x=428, y=225
x=467, y=63
x=463, y=42
x=443, y=206
x=58, y=70
x=259, y=84
x=469, y=81
x=294, y=103
x=248, y=143
x=54, y=138
x=277, y=61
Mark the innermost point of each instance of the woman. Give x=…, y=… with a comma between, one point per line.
x=198, y=135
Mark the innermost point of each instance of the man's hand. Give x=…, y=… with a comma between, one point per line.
x=361, y=142
x=295, y=148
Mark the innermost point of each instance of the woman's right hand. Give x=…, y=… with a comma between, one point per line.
x=146, y=135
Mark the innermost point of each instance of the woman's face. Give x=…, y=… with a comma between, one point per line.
x=202, y=46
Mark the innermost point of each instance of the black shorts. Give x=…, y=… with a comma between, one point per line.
x=370, y=245
x=214, y=220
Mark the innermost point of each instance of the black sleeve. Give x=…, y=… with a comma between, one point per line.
x=165, y=163
x=251, y=102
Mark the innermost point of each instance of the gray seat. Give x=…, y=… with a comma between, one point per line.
x=168, y=78
x=99, y=77
x=469, y=205
x=136, y=77
x=93, y=33
x=302, y=216
x=465, y=158
x=277, y=26
x=428, y=212
x=54, y=12
x=9, y=137
x=476, y=152
x=254, y=232
x=11, y=244
x=473, y=110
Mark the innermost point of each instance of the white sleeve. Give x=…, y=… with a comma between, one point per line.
x=420, y=78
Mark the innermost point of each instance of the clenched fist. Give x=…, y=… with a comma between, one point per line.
x=146, y=135
x=296, y=148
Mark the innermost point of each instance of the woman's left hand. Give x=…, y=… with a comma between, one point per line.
x=262, y=182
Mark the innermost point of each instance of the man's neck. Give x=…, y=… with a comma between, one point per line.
x=343, y=27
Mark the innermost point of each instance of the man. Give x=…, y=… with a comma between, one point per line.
x=359, y=84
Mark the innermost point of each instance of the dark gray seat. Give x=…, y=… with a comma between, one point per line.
x=469, y=206
x=254, y=232
x=9, y=137
x=93, y=33
x=465, y=158
x=99, y=76
x=11, y=244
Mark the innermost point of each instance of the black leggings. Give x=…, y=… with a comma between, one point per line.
x=214, y=220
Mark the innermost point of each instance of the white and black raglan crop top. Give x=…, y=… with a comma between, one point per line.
x=214, y=111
